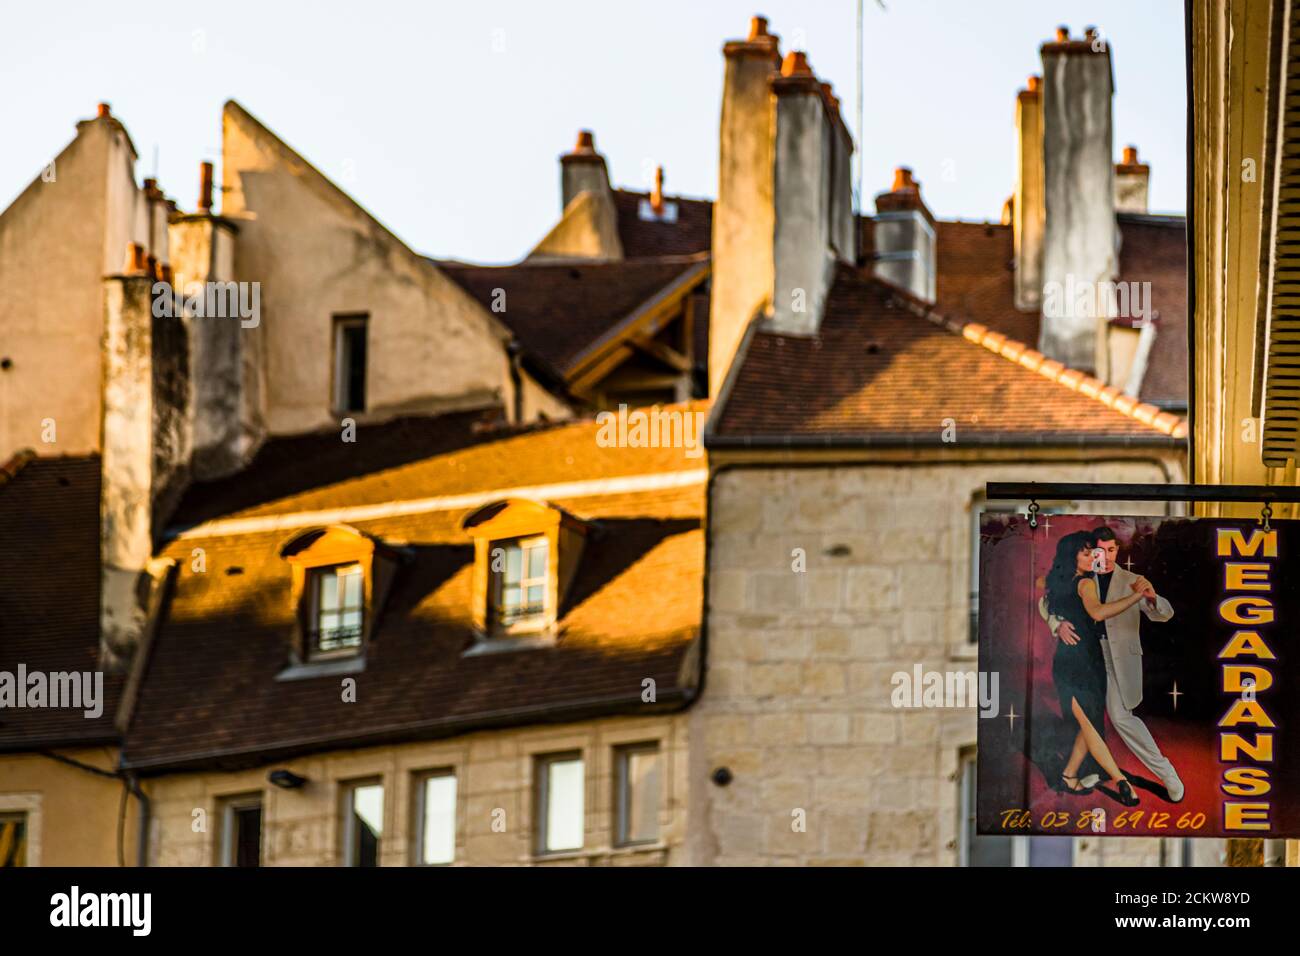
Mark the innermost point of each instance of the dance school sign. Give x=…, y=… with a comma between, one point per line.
x=1143, y=665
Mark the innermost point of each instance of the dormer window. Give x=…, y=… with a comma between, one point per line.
x=525, y=556
x=337, y=608
x=519, y=570
x=340, y=579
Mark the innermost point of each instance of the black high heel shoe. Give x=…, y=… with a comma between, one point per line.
x=1075, y=790
x=1126, y=794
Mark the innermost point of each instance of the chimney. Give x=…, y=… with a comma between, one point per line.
x=1080, y=236
x=145, y=445
x=807, y=195
x=743, y=216
x=156, y=215
x=103, y=111
x=583, y=169
x=657, y=194
x=225, y=419
x=1027, y=204
x=205, y=188
x=588, y=226
x=784, y=214
x=905, y=237
x=1132, y=180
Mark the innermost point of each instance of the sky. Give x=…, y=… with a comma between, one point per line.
x=445, y=120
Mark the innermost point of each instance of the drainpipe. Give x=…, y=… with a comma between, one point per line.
x=516, y=352
x=142, y=853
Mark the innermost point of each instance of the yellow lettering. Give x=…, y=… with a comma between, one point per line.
x=1234, y=674
x=1246, y=782
x=1231, y=539
x=1247, y=610
x=1245, y=816
x=1246, y=712
x=1247, y=642
x=1232, y=746
x=1238, y=576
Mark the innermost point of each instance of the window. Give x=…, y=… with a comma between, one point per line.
x=559, y=803
x=350, y=363
x=637, y=779
x=337, y=608
x=436, y=813
x=13, y=839
x=991, y=850
x=241, y=831
x=519, y=580
x=363, y=823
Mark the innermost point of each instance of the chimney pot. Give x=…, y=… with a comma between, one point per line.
x=134, y=257
x=796, y=64
x=903, y=179
x=1090, y=33
x=657, y=194
x=1034, y=83
x=205, y=187
x=1062, y=34
x=586, y=142
x=104, y=110
x=757, y=27
x=1130, y=155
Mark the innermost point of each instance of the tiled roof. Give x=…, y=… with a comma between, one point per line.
x=210, y=697
x=289, y=466
x=49, y=602
x=975, y=282
x=471, y=461
x=881, y=370
x=690, y=233
x=560, y=310
x=975, y=279
x=1155, y=250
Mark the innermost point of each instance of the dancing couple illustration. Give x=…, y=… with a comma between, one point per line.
x=1091, y=606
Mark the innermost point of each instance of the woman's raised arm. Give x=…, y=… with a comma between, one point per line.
x=1092, y=602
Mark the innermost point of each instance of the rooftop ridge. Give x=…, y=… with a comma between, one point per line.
x=16, y=463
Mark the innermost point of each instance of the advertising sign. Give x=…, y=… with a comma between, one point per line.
x=1144, y=666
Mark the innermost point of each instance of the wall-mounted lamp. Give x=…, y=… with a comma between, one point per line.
x=286, y=779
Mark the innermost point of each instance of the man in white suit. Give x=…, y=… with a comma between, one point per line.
x=1122, y=650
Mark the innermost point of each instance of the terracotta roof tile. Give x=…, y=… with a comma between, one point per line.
x=455, y=459
x=883, y=370
x=975, y=282
x=559, y=310
x=692, y=232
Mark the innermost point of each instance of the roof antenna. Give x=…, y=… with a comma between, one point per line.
x=857, y=155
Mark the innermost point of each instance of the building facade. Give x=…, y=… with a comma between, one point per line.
x=373, y=587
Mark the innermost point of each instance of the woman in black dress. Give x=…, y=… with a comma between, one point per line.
x=1079, y=670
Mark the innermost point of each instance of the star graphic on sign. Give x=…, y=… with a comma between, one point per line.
x=1047, y=524
x=1012, y=718
x=1128, y=563
x=1175, y=694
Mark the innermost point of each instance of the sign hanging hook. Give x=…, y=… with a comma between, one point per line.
x=1264, y=514
x=1033, y=513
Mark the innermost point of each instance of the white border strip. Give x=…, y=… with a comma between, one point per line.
x=392, y=509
